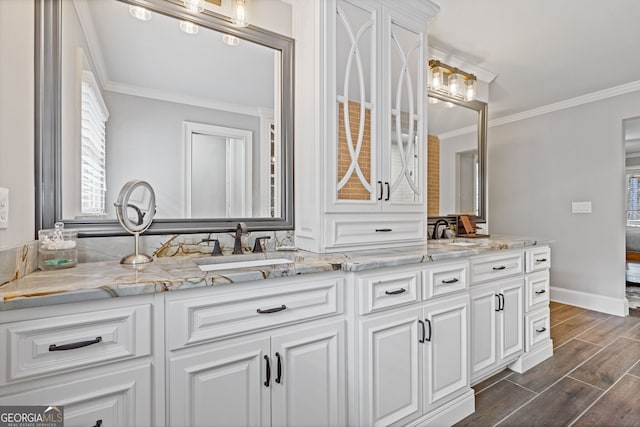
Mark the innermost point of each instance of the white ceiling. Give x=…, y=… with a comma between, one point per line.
x=543, y=51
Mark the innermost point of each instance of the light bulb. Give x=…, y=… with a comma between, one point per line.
x=239, y=14
x=433, y=100
x=449, y=104
x=230, y=40
x=469, y=90
x=189, y=27
x=195, y=6
x=455, y=84
x=139, y=13
x=436, y=78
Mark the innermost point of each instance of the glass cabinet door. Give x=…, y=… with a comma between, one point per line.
x=355, y=47
x=405, y=156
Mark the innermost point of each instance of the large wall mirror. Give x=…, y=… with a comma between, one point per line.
x=457, y=153
x=197, y=107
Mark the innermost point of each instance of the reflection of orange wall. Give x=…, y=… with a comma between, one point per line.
x=433, y=176
x=353, y=189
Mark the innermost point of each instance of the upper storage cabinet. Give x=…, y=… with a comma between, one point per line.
x=360, y=116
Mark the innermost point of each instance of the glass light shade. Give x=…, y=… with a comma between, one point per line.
x=433, y=100
x=189, y=27
x=139, y=13
x=455, y=84
x=230, y=40
x=436, y=78
x=449, y=104
x=469, y=90
x=239, y=13
x=195, y=6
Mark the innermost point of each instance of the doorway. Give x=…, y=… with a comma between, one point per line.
x=631, y=135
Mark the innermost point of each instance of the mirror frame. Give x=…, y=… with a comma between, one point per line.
x=482, y=109
x=48, y=139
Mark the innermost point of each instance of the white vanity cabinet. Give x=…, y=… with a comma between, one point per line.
x=97, y=359
x=258, y=354
x=537, y=332
x=497, y=316
x=360, y=110
x=412, y=355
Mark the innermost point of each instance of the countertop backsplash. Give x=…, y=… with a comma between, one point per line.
x=16, y=262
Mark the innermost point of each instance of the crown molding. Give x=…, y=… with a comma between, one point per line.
x=161, y=95
x=568, y=103
x=88, y=28
x=482, y=74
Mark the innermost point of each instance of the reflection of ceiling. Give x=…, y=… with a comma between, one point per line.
x=157, y=57
x=442, y=120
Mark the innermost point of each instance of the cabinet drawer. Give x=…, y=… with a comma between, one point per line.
x=345, y=231
x=392, y=289
x=199, y=319
x=537, y=289
x=496, y=266
x=121, y=398
x=56, y=344
x=538, y=259
x=537, y=328
x=444, y=279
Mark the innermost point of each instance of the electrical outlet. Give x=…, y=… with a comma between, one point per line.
x=581, y=207
x=4, y=208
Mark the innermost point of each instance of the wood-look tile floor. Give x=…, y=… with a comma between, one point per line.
x=593, y=378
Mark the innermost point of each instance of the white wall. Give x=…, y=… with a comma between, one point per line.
x=16, y=118
x=538, y=166
x=146, y=137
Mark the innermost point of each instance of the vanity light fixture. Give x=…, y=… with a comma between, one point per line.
x=189, y=27
x=452, y=80
x=195, y=6
x=140, y=13
x=239, y=13
x=230, y=40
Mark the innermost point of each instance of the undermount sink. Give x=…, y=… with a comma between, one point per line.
x=239, y=261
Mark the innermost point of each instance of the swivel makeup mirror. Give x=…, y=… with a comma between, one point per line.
x=135, y=208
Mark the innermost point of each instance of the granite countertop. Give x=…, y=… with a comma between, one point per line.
x=99, y=280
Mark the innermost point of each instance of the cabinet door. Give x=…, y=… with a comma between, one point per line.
x=391, y=368
x=511, y=318
x=309, y=378
x=352, y=169
x=221, y=385
x=121, y=398
x=403, y=154
x=483, y=327
x=446, y=349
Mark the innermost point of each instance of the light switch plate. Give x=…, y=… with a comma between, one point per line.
x=581, y=207
x=4, y=208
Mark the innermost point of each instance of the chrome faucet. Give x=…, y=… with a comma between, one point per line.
x=434, y=235
x=237, y=244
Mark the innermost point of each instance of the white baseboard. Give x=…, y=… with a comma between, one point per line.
x=609, y=305
x=449, y=413
x=531, y=358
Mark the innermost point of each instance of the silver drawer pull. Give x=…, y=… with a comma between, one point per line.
x=272, y=310
x=541, y=329
x=541, y=260
x=396, y=292
x=502, y=267
x=541, y=292
x=448, y=282
x=384, y=230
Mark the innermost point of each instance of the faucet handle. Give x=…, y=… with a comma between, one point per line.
x=257, y=246
x=216, y=246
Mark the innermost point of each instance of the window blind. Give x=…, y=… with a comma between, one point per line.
x=94, y=115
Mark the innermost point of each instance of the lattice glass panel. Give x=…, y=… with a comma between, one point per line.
x=406, y=114
x=355, y=78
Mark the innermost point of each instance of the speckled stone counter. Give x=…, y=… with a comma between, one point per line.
x=98, y=280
